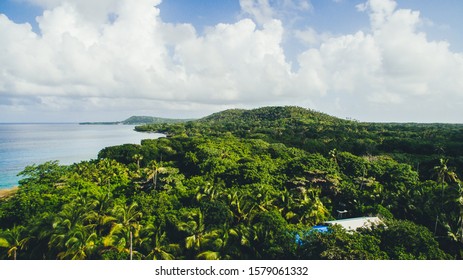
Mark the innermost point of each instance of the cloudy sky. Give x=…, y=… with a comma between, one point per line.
x=105, y=60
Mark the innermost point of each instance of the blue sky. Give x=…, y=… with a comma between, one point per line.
x=326, y=15
x=371, y=60
x=200, y=13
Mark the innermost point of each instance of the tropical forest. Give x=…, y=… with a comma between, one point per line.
x=248, y=184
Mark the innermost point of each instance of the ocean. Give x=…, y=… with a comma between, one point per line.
x=26, y=144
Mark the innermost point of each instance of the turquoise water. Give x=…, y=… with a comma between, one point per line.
x=26, y=144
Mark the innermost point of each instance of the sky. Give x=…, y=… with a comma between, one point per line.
x=106, y=60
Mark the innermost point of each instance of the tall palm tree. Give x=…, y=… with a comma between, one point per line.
x=154, y=168
x=102, y=207
x=137, y=158
x=443, y=175
x=126, y=225
x=460, y=216
x=455, y=231
x=334, y=156
x=14, y=240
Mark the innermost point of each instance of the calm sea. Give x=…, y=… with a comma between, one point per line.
x=27, y=144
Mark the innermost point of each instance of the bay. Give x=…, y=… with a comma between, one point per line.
x=26, y=144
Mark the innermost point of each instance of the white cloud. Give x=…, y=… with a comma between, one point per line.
x=390, y=73
x=122, y=57
x=96, y=12
x=237, y=62
x=263, y=11
x=259, y=10
x=138, y=56
x=310, y=37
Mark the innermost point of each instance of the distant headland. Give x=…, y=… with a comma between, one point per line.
x=139, y=120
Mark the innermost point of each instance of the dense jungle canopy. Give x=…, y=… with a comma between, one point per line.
x=248, y=184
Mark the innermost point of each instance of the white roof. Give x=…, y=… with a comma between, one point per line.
x=355, y=223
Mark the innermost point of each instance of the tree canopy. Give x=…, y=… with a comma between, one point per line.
x=247, y=184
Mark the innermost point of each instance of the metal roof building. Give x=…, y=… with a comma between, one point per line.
x=353, y=224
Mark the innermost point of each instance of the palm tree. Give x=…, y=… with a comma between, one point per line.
x=195, y=227
x=155, y=168
x=443, y=174
x=310, y=208
x=198, y=236
x=214, y=244
x=455, y=232
x=111, y=174
x=334, y=156
x=14, y=240
x=157, y=243
x=73, y=234
x=264, y=197
x=137, y=158
x=240, y=204
x=81, y=243
x=101, y=215
x=460, y=216
x=286, y=204
x=210, y=191
x=222, y=244
x=127, y=225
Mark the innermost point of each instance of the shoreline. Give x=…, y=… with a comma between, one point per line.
x=6, y=192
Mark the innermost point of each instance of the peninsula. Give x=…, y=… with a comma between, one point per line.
x=139, y=120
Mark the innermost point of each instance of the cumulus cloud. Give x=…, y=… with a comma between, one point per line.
x=93, y=11
x=121, y=56
x=394, y=69
x=310, y=37
x=138, y=56
x=259, y=10
x=263, y=11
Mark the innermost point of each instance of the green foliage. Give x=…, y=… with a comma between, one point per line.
x=339, y=244
x=420, y=145
x=403, y=240
x=241, y=184
x=47, y=173
x=271, y=236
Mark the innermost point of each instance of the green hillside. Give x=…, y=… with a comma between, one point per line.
x=271, y=114
x=420, y=145
x=248, y=184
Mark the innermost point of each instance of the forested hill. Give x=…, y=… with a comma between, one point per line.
x=420, y=145
x=271, y=114
x=248, y=184
x=268, y=121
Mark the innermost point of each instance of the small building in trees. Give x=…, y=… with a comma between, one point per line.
x=352, y=224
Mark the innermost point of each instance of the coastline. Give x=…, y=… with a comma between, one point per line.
x=27, y=144
x=8, y=192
